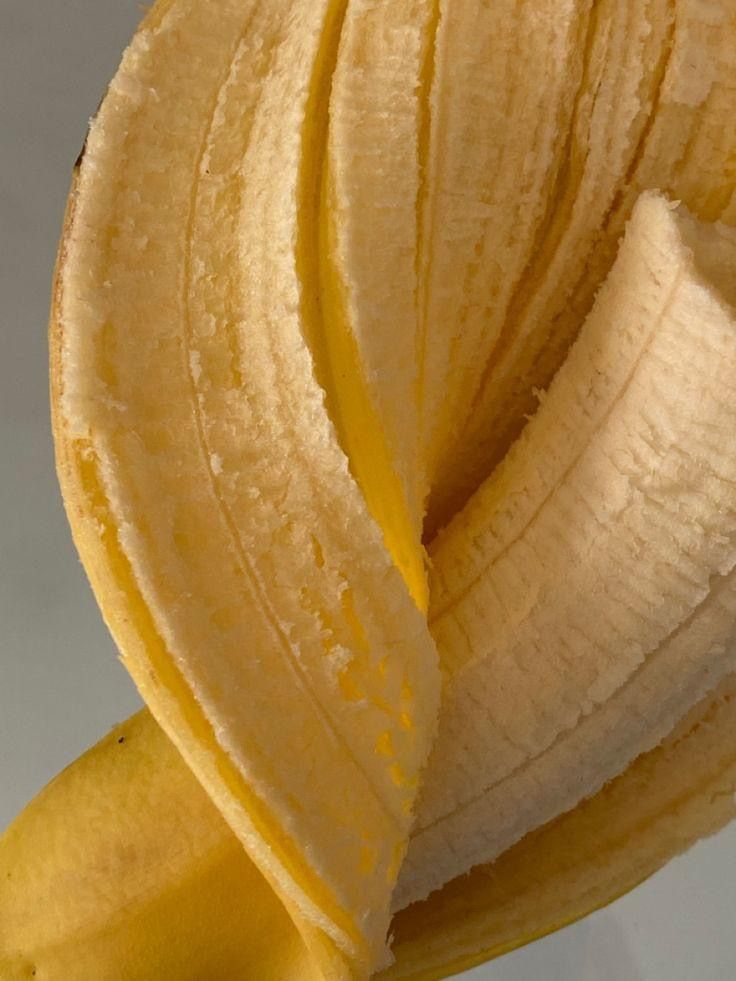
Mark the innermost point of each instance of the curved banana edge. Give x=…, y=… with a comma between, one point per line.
x=130, y=389
x=131, y=624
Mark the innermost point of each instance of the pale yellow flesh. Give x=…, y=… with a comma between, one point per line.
x=370, y=192
x=207, y=490
x=256, y=385
x=666, y=801
x=504, y=83
x=585, y=598
x=654, y=108
x=702, y=240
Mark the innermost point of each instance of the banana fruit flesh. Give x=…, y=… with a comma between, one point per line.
x=156, y=885
x=519, y=67
x=585, y=598
x=584, y=859
x=319, y=259
x=371, y=186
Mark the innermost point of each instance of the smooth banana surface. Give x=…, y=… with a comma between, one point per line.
x=395, y=415
x=137, y=876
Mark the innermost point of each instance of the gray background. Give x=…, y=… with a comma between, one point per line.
x=60, y=685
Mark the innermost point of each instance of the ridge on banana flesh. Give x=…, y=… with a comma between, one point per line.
x=667, y=254
x=586, y=596
x=662, y=804
x=157, y=878
x=505, y=76
x=370, y=189
x=229, y=546
x=299, y=290
x=654, y=109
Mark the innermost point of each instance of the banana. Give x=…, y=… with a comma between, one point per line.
x=586, y=596
x=320, y=258
x=156, y=883
x=209, y=495
x=654, y=110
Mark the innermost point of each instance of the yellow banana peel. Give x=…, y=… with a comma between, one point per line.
x=140, y=877
x=320, y=259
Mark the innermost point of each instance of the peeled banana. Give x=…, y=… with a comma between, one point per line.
x=394, y=399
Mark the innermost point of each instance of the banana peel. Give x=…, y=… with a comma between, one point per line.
x=246, y=487
x=647, y=252
x=155, y=884
x=585, y=597
x=149, y=403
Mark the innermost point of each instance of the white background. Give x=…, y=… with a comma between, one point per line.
x=60, y=685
